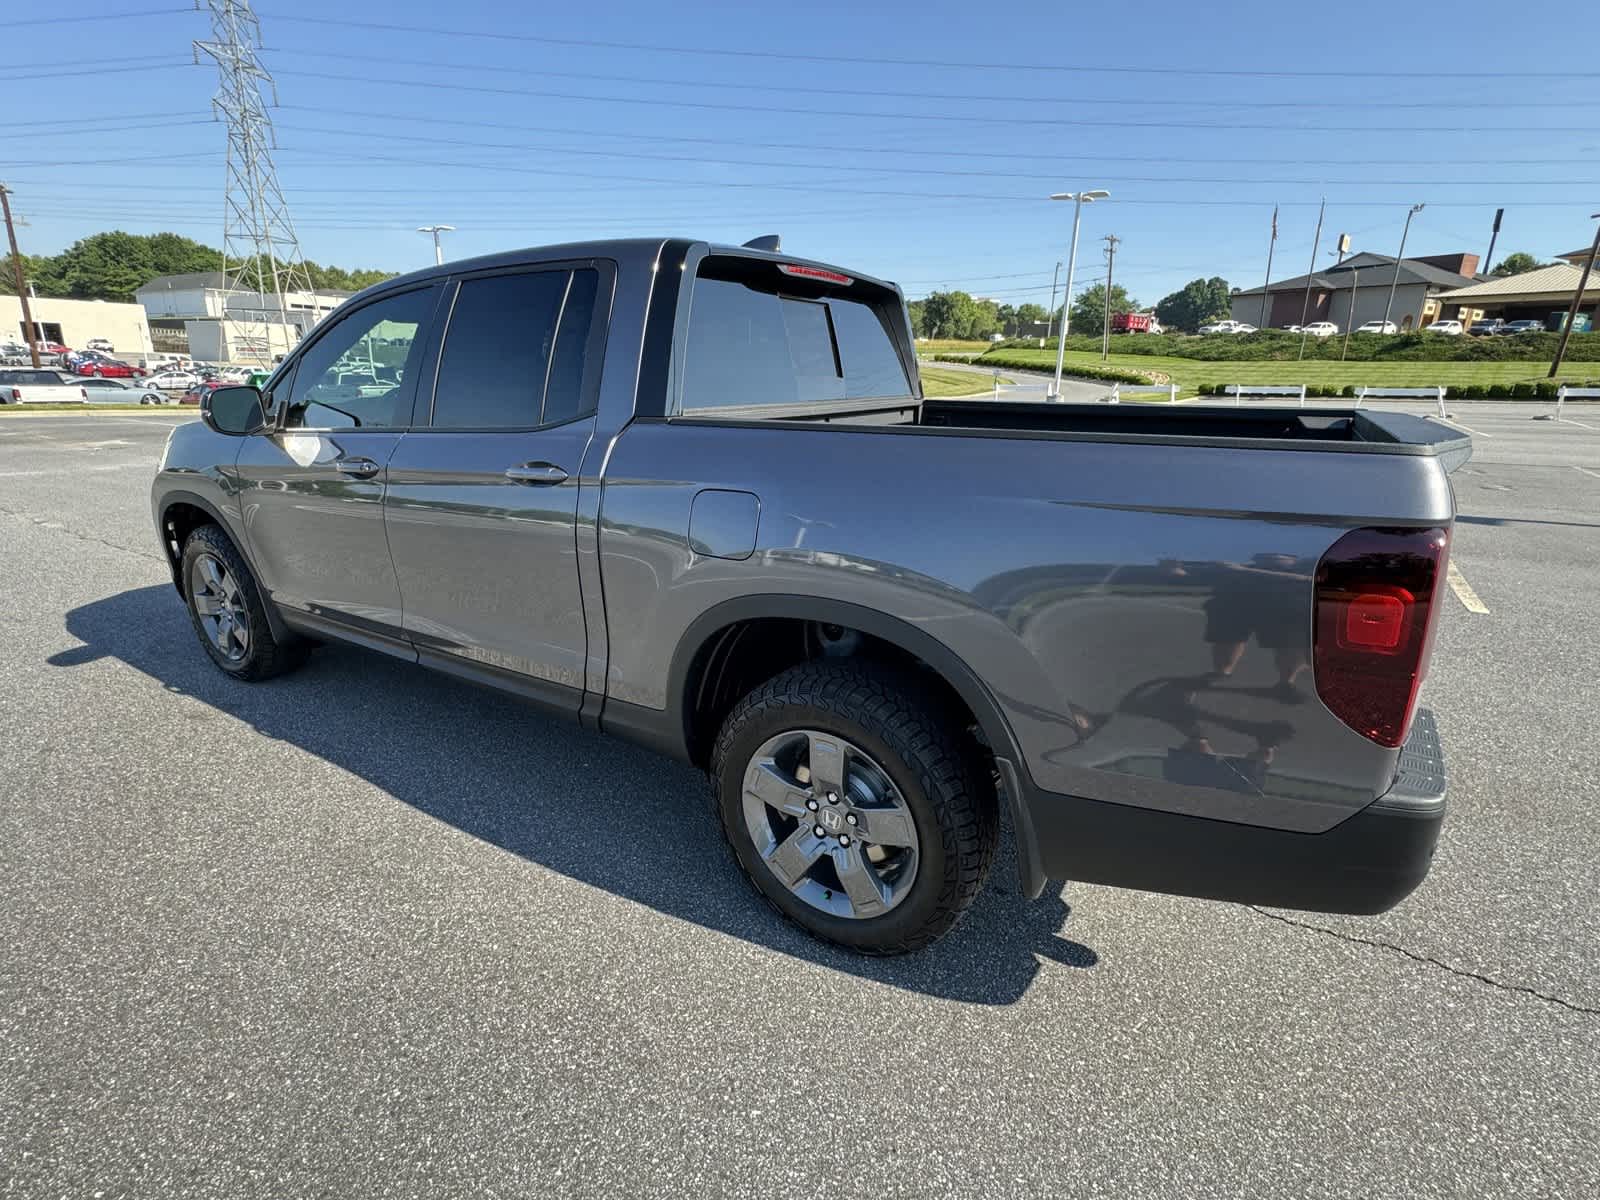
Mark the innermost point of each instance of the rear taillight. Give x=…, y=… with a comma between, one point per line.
x=1377, y=608
x=16, y=395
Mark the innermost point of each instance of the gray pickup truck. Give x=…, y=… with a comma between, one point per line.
x=692, y=495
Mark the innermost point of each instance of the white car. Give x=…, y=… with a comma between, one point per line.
x=1378, y=327
x=173, y=380
x=1243, y=327
x=102, y=344
x=1320, y=329
x=1448, y=328
x=1228, y=327
x=121, y=391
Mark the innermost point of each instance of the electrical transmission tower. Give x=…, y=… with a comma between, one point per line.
x=261, y=260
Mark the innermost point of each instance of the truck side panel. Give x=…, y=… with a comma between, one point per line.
x=1140, y=613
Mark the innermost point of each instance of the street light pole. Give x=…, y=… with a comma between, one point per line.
x=1050, y=317
x=1577, y=300
x=436, y=230
x=1395, y=281
x=1078, y=199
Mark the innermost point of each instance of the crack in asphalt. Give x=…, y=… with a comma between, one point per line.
x=52, y=524
x=1426, y=960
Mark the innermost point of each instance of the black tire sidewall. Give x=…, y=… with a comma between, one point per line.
x=907, y=922
x=208, y=539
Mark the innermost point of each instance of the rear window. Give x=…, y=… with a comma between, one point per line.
x=36, y=378
x=757, y=339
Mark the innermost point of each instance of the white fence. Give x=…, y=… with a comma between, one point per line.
x=1119, y=390
x=1566, y=392
x=1240, y=390
x=1399, y=393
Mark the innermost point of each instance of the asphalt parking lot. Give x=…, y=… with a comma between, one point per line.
x=366, y=930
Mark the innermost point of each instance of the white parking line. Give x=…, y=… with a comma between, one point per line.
x=1458, y=425
x=1580, y=424
x=1464, y=593
x=1586, y=471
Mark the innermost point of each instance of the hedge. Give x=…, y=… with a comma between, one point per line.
x=1274, y=345
x=1543, y=389
x=1072, y=371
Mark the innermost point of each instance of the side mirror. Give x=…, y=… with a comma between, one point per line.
x=236, y=411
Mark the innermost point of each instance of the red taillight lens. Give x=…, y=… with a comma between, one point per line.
x=1377, y=607
x=801, y=272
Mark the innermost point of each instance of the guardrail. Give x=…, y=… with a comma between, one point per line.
x=1240, y=390
x=1576, y=393
x=1402, y=393
x=1118, y=390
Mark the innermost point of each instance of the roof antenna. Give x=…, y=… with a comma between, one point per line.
x=769, y=242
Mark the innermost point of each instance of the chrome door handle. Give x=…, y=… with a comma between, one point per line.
x=356, y=468
x=539, y=474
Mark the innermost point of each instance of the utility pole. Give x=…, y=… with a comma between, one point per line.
x=22, y=287
x=1111, y=241
x=436, y=230
x=1050, y=317
x=1572, y=311
x=1267, y=283
x=1305, y=307
x=1494, y=236
x=1399, y=258
x=1350, y=319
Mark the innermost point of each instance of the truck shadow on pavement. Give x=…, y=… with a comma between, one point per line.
x=593, y=808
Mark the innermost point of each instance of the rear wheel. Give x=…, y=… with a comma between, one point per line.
x=855, y=806
x=227, y=611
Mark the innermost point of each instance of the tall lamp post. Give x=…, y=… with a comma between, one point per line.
x=1079, y=199
x=1395, y=281
x=436, y=230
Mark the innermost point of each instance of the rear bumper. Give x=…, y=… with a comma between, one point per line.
x=1366, y=864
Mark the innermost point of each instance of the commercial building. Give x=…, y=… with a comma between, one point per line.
x=1356, y=291
x=198, y=314
x=1541, y=295
x=73, y=322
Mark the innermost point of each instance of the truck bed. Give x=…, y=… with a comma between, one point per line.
x=1341, y=429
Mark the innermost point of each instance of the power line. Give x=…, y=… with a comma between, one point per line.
x=812, y=89
x=621, y=152
x=115, y=16
x=1052, y=122
x=880, y=61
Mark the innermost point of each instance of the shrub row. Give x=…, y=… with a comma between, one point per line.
x=1543, y=389
x=1273, y=345
x=1018, y=362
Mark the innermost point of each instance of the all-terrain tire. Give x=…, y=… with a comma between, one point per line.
x=924, y=749
x=265, y=655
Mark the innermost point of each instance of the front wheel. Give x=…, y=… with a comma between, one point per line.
x=227, y=611
x=855, y=806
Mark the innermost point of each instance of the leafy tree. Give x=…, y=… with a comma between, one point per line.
x=1089, y=309
x=951, y=315
x=919, y=325
x=1197, y=302
x=1519, y=262
x=1030, y=314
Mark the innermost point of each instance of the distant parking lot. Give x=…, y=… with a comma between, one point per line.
x=364, y=929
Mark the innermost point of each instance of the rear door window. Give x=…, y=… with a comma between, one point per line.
x=756, y=343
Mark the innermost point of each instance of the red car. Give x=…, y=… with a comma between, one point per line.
x=109, y=368
x=196, y=391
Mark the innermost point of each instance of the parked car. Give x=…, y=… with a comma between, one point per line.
x=109, y=368
x=673, y=524
x=103, y=344
x=173, y=380
x=1378, y=327
x=118, y=391
x=1321, y=329
x=1243, y=327
x=1447, y=328
x=1513, y=327
x=200, y=389
x=28, y=386
x=1493, y=327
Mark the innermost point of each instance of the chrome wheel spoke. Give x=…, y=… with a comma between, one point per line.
x=791, y=858
x=206, y=604
x=859, y=881
x=211, y=572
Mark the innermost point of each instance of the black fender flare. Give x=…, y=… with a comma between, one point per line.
x=280, y=631
x=1017, y=783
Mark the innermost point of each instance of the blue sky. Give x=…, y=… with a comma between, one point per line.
x=524, y=124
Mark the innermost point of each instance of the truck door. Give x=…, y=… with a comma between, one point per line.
x=312, y=487
x=482, y=503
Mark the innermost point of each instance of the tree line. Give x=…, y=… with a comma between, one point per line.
x=960, y=315
x=114, y=265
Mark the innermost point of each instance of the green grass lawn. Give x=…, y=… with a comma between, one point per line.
x=930, y=346
x=937, y=382
x=1189, y=374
